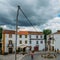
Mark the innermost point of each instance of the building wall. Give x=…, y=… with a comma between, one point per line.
x=39, y=36
x=51, y=42
x=7, y=41
x=32, y=38
x=23, y=39
x=41, y=45
x=3, y=43
x=57, y=41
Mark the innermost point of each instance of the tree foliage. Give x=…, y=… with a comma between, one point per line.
x=46, y=32
x=1, y=32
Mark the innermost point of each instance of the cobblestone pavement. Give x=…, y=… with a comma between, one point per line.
x=25, y=57
x=38, y=57
x=28, y=57
x=11, y=57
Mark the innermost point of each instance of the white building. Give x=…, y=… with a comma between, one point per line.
x=51, y=42
x=55, y=40
x=31, y=39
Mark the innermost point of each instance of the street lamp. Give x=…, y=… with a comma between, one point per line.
x=16, y=31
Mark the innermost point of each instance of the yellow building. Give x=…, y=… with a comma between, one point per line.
x=24, y=39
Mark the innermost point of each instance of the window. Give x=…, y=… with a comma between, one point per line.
x=41, y=42
x=20, y=36
x=36, y=42
x=26, y=42
x=37, y=36
x=30, y=41
x=41, y=36
x=20, y=42
x=25, y=36
x=10, y=35
x=10, y=44
x=10, y=41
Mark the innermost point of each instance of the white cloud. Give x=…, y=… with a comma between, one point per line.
x=42, y=14
x=6, y=27
x=23, y=28
x=53, y=24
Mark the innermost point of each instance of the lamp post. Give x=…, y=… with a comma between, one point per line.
x=16, y=31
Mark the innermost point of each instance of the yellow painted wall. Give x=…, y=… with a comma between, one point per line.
x=3, y=43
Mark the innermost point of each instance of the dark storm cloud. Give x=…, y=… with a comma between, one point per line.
x=38, y=12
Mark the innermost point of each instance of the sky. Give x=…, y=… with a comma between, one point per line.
x=43, y=14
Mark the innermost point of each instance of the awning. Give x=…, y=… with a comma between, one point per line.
x=22, y=46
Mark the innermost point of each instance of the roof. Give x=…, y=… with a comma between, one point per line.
x=37, y=33
x=22, y=32
x=8, y=32
x=58, y=32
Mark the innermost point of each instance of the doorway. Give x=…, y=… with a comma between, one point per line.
x=10, y=50
x=36, y=48
x=24, y=49
x=10, y=46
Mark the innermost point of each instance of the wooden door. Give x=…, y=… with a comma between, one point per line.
x=36, y=48
x=10, y=50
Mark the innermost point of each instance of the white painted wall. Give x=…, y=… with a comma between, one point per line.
x=7, y=40
x=57, y=41
x=41, y=46
x=23, y=40
x=39, y=36
x=39, y=39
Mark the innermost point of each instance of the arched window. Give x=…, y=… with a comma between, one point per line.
x=10, y=41
x=10, y=44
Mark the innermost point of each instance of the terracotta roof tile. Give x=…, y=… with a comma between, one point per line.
x=37, y=33
x=22, y=32
x=8, y=32
x=58, y=32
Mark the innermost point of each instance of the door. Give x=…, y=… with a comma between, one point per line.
x=10, y=46
x=36, y=48
x=10, y=50
x=24, y=49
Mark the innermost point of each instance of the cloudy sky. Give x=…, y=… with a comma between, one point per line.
x=43, y=14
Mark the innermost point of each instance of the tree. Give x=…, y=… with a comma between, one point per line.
x=1, y=33
x=0, y=39
x=46, y=32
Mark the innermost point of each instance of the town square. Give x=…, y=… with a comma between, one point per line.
x=29, y=30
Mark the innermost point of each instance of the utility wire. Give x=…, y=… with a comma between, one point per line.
x=27, y=18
